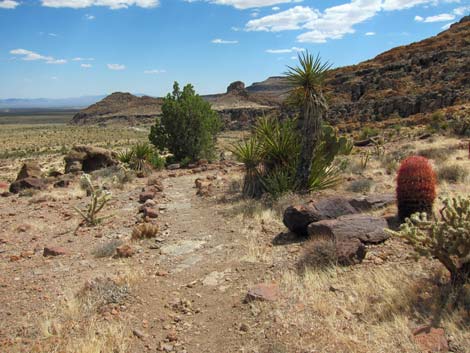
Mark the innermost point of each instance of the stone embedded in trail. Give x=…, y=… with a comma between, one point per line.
x=54, y=251
x=350, y=252
x=150, y=212
x=297, y=218
x=367, y=229
x=89, y=159
x=156, y=183
x=146, y=195
x=263, y=292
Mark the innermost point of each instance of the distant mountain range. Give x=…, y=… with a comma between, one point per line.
x=69, y=103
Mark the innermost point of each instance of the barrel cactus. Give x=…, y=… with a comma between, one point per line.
x=416, y=187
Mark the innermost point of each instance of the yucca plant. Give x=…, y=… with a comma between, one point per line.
x=306, y=81
x=251, y=153
x=99, y=199
x=125, y=156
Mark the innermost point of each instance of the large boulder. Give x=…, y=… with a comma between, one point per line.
x=365, y=228
x=89, y=159
x=297, y=218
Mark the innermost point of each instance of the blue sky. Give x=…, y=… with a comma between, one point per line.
x=68, y=48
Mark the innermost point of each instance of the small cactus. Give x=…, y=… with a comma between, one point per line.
x=416, y=187
x=99, y=198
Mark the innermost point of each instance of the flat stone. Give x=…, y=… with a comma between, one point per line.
x=54, y=251
x=182, y=247
x=263, y=292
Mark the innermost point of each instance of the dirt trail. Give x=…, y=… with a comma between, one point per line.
x=193, y=301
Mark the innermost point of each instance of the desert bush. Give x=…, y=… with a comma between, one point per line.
x=188, y=127
x=461, y=125
x=145, y=230
x=435, y=153
x=99, y=198
x=107, y=249
x=368, y=132
x=446, y=239
x=318, y=254
x=361, y=185
x=452, y=173
x=438, y=122
x=271, y=156
x=142, y=157
x=416, y=187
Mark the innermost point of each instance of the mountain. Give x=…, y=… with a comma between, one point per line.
x=23, y=103
x=419, y=78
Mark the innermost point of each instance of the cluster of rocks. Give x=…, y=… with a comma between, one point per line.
x=342, y=220
x=147, y=198
x=88, y=159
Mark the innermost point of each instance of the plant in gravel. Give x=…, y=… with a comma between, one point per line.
x=99, y=199
x=361, y=185
x=446, y=239
x=145, y=231
x=142, y=157
x=416, y=187
x=107, y=249
x=318, y=254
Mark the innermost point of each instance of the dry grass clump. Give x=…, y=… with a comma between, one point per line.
x=107, y=249
x=318, y=253
x=145, y=231
x=452, y=173
x=438, y=154
x=361, y=185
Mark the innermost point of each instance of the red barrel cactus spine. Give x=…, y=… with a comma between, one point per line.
x=416, y=187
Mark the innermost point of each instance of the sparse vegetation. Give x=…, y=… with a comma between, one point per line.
x=452, y=173
x=446, y=239
x=145, y=231
x=361, y=185
x=142, y=158
x=318, y=254
x=188, y=127
x=107, y=249
x=99, y=199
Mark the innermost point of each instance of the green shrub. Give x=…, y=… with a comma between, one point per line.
x=438, y=122
x=142, y=158
x=452, y=173
x=188, y=127
x=446, y=239
x=461, y=125
x=368, y=132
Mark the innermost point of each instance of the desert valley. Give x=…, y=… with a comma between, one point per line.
x=184, y=223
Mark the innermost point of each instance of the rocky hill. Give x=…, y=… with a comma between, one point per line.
x=414, y=79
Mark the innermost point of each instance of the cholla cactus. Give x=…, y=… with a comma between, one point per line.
x=447, y=239
x=99, y=198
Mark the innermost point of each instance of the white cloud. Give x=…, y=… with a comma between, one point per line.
x=443, y=17
x=333, y=22
x=275, y=8
x=284, y=51
x=28, y=55
x=247, y=4
x=223, y=41
x=154, y=72
x=370, y=33
x=459, y=11
x=90, y=17
x=113, y=4
x=8, y=4
x=83, y=59
x=86, y=66
x=116, y=67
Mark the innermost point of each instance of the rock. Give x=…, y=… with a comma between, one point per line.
x=173, y=166
x=150, y=212
x=124, y=251
x=54, y=251
x=430, y=339
x=146, y=195
x=297, y=218
x=213, y=278
x=6, y=194
x=350, y=252
x=139, y=334
x=27, y=183
x=30, y=170
x=62, y=183
x=156, y=183
x=263, y=292
x=89, y=159
x=3, y=186
x=238, y=88
x=204, y=187
x=365, y=228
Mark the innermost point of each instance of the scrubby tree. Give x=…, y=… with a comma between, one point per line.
x=307, y=81
x=188, y=126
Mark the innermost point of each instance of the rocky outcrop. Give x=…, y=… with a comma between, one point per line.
x=89, y=159
x=29, y=177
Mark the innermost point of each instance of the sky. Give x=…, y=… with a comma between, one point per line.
x=71, y=48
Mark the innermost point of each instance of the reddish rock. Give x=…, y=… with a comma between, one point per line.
x=263, y=292
x=3, y=186
x=146, y=195
x=150, y=212
x=156, y=183
x=430, y=339
x=124, y=251
x=54, y=251
x=30, y=170
x=350, y=252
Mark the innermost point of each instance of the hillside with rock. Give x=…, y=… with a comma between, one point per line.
x=419, y=78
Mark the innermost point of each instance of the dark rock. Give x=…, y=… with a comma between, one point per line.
x=365, y=228
x=27, y=183
x=372, y=202
x=146, y=195
x=150, y=212
x=89, y=159
x=350, y=252
x=62, y=183
x=237, y=87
